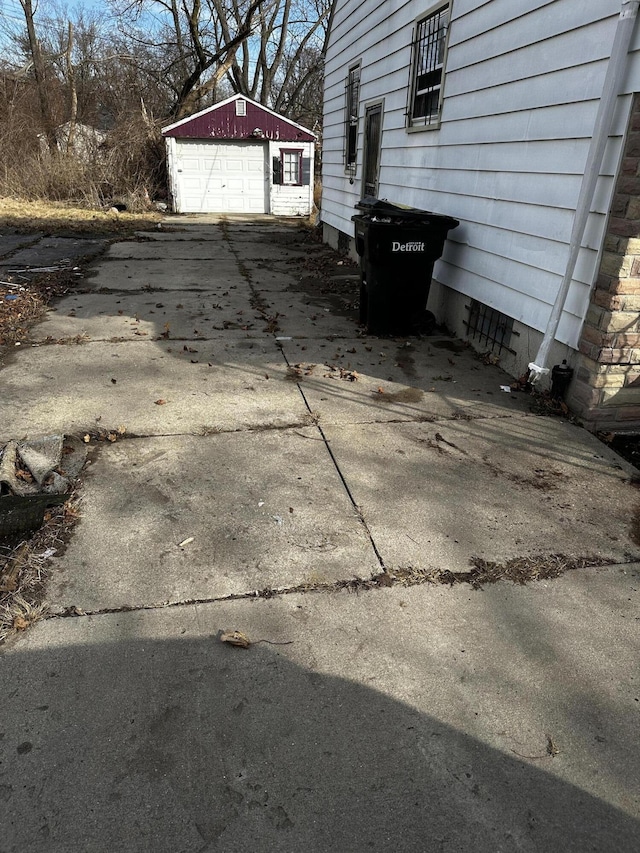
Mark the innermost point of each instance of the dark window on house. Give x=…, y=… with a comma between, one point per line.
x=490, y=328
x=351, y=121
x=427, y=68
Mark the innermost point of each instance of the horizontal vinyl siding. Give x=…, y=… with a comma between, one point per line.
x=523, y=79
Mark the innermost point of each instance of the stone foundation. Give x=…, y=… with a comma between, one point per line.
x=606, y=389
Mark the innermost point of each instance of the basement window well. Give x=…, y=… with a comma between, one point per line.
x=490, y=327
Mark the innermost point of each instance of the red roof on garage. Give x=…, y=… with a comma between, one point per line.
x=221, y=121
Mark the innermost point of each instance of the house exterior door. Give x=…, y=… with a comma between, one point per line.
x=372, y=141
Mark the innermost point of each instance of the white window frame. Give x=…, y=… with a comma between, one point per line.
x=293, y=156
x=428, y=61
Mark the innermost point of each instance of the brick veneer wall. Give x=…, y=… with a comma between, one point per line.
x=606, y=388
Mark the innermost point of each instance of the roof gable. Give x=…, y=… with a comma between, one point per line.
x=222, y=122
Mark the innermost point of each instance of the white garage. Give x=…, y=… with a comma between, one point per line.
x=240, y=157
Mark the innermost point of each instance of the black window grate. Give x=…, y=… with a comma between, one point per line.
x=428, y=63
x=351, y=116
x=490, y=327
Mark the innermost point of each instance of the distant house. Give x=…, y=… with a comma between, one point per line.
x=240, y=157
x=82, y=140
x=485, y=111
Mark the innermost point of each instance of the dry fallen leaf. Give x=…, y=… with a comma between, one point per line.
x=552, y=748
x=235, y=638
x=160, y=402
x=20, y=623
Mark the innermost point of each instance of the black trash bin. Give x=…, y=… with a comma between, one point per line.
x=398, y=247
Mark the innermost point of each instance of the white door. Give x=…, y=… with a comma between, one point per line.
x=222, y=177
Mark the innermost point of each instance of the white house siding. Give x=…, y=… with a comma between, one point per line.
x=521, y=89
x=292, y=200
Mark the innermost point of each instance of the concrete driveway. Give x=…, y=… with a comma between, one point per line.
x=270, y=460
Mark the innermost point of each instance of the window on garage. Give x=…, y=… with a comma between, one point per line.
x=291, y=168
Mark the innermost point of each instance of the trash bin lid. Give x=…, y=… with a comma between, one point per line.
x=382, y=209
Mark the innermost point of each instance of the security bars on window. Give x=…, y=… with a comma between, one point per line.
x=428, y=65
x=351, y=118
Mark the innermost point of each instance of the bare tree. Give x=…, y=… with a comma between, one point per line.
x=285, y=54
x=194, y=41
x=40, y=75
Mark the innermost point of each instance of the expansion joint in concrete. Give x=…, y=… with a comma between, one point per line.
x=520, y=571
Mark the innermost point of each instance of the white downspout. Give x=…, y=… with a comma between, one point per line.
x=610, y=91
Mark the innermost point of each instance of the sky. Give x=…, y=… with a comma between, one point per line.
x=12, y=16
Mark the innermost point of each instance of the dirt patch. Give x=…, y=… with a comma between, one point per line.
x=543, y=479
x=627, y=446
x=405, y=395
x=22, y=303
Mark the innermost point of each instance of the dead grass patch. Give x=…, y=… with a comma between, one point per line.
x=27, y=216
x=25, y=569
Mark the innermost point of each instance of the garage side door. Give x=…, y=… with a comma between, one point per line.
x=222, y=177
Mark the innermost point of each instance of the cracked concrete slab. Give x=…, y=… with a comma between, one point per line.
x=265, y=278
x=171, y=250
x=255, y=523
x=389, y=718
x=139, y=314
x=305, y=319
x=155, y=275
x=439, y=495
x=52, y=251
x=10, y=242
x=506, y=716
x=224, y=384
x=191, y=235
x=253, y=251
x=365, y=379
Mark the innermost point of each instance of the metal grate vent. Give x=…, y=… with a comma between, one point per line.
x=490, y=327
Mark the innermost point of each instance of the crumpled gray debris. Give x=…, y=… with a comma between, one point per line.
x=46, y=465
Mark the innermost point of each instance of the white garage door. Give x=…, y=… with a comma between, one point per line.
x=222, y=177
